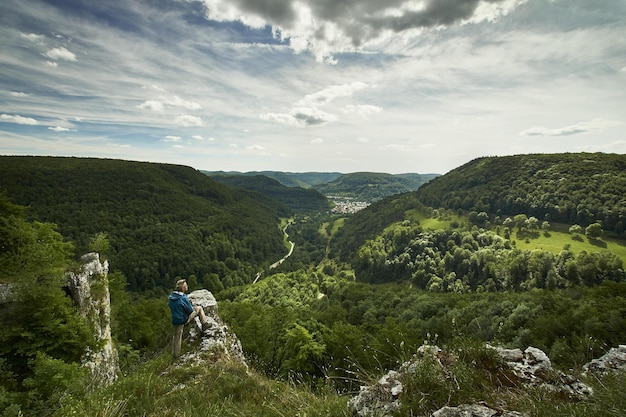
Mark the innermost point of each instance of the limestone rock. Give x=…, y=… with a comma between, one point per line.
x=474, y=410
x=382, y=398
x=216, y=340
x=533, y=367
x=612, y=361
x=90, y=292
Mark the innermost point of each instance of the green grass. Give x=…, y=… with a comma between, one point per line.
x=227, y=389
x=554, y=241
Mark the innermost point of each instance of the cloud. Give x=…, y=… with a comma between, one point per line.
x=331, y=93
x=301, y=117
x=151, y=105
x=187, y=120
x=327, y=27
x=363, y=109
x=179, y=102
x=202, y=138
x=61, y=54
x=175, y=101
x=59, y=129
x=582, y=127
x=20, y=120
x=33, y=37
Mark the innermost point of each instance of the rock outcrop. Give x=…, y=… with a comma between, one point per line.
x=215, y=342
x=90, y=292
x=474, y=410
x=612, y=361
x=533, y=367
x=517, y=369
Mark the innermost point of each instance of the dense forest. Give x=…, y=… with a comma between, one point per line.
x=163, y=221
x=298, y=199
x=359, y=295
x=566, y=188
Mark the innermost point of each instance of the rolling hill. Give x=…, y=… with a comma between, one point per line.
x=162, y=220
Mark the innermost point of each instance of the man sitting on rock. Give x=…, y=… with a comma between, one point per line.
x=183, y=312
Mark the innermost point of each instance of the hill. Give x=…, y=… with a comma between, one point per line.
x=569, y=188
x=371, y=186
x=289, y=179
x=162, y=220
x=426, y=238
x=296, y=198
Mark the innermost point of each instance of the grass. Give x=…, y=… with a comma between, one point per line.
x=554, y=241
x=162, y=389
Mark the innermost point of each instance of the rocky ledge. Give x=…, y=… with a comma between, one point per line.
x=215, y=342
x=516, y=369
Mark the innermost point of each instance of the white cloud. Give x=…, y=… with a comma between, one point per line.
x=151, y=105
x=203, y=139
x=331, y=93
x=363, y=109
x=187, y=120
x=33, y=37
x=582, y=127
x=59, y=129
x=179, y=102
x=61, y=54
x=172, y=139
x=20, y=120
x=301, y=117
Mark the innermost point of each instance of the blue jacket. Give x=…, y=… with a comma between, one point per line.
x=180, y=306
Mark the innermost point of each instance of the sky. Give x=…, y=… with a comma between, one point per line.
x=391, y=86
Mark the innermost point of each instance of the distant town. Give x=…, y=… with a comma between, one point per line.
x=346, y=205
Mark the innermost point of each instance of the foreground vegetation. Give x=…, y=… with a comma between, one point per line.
x=357, y=297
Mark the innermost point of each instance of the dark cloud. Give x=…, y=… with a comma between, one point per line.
x=362, y=19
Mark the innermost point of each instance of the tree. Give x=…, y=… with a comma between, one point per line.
x=594, y=231
x=575, y=229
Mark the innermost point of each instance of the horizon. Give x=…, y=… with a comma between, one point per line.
x=305, y=86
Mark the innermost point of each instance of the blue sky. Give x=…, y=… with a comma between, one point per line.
x=312, y=85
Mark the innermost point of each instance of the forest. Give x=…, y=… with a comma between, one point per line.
x=357, y=297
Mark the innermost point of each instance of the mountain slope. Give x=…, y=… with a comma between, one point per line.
x=569, y=188
x=295, y=198
x=289, y=179
x=162, y=221
x=372, y=186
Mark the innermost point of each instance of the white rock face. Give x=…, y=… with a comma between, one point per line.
x=612, y=361
x=215, y=341
x=90, y=292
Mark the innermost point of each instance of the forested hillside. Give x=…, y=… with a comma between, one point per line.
x=296, y=198
x=288, y=179
x=162, y=221
x=475, y=228
x=567, y=188
x=359, y=295
x=372, y=186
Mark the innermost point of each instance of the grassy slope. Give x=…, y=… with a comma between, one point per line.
x=554, y=242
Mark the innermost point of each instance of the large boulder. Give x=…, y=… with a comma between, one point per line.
x=214, y=342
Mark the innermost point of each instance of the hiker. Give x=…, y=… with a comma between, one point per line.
x=183, y=312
